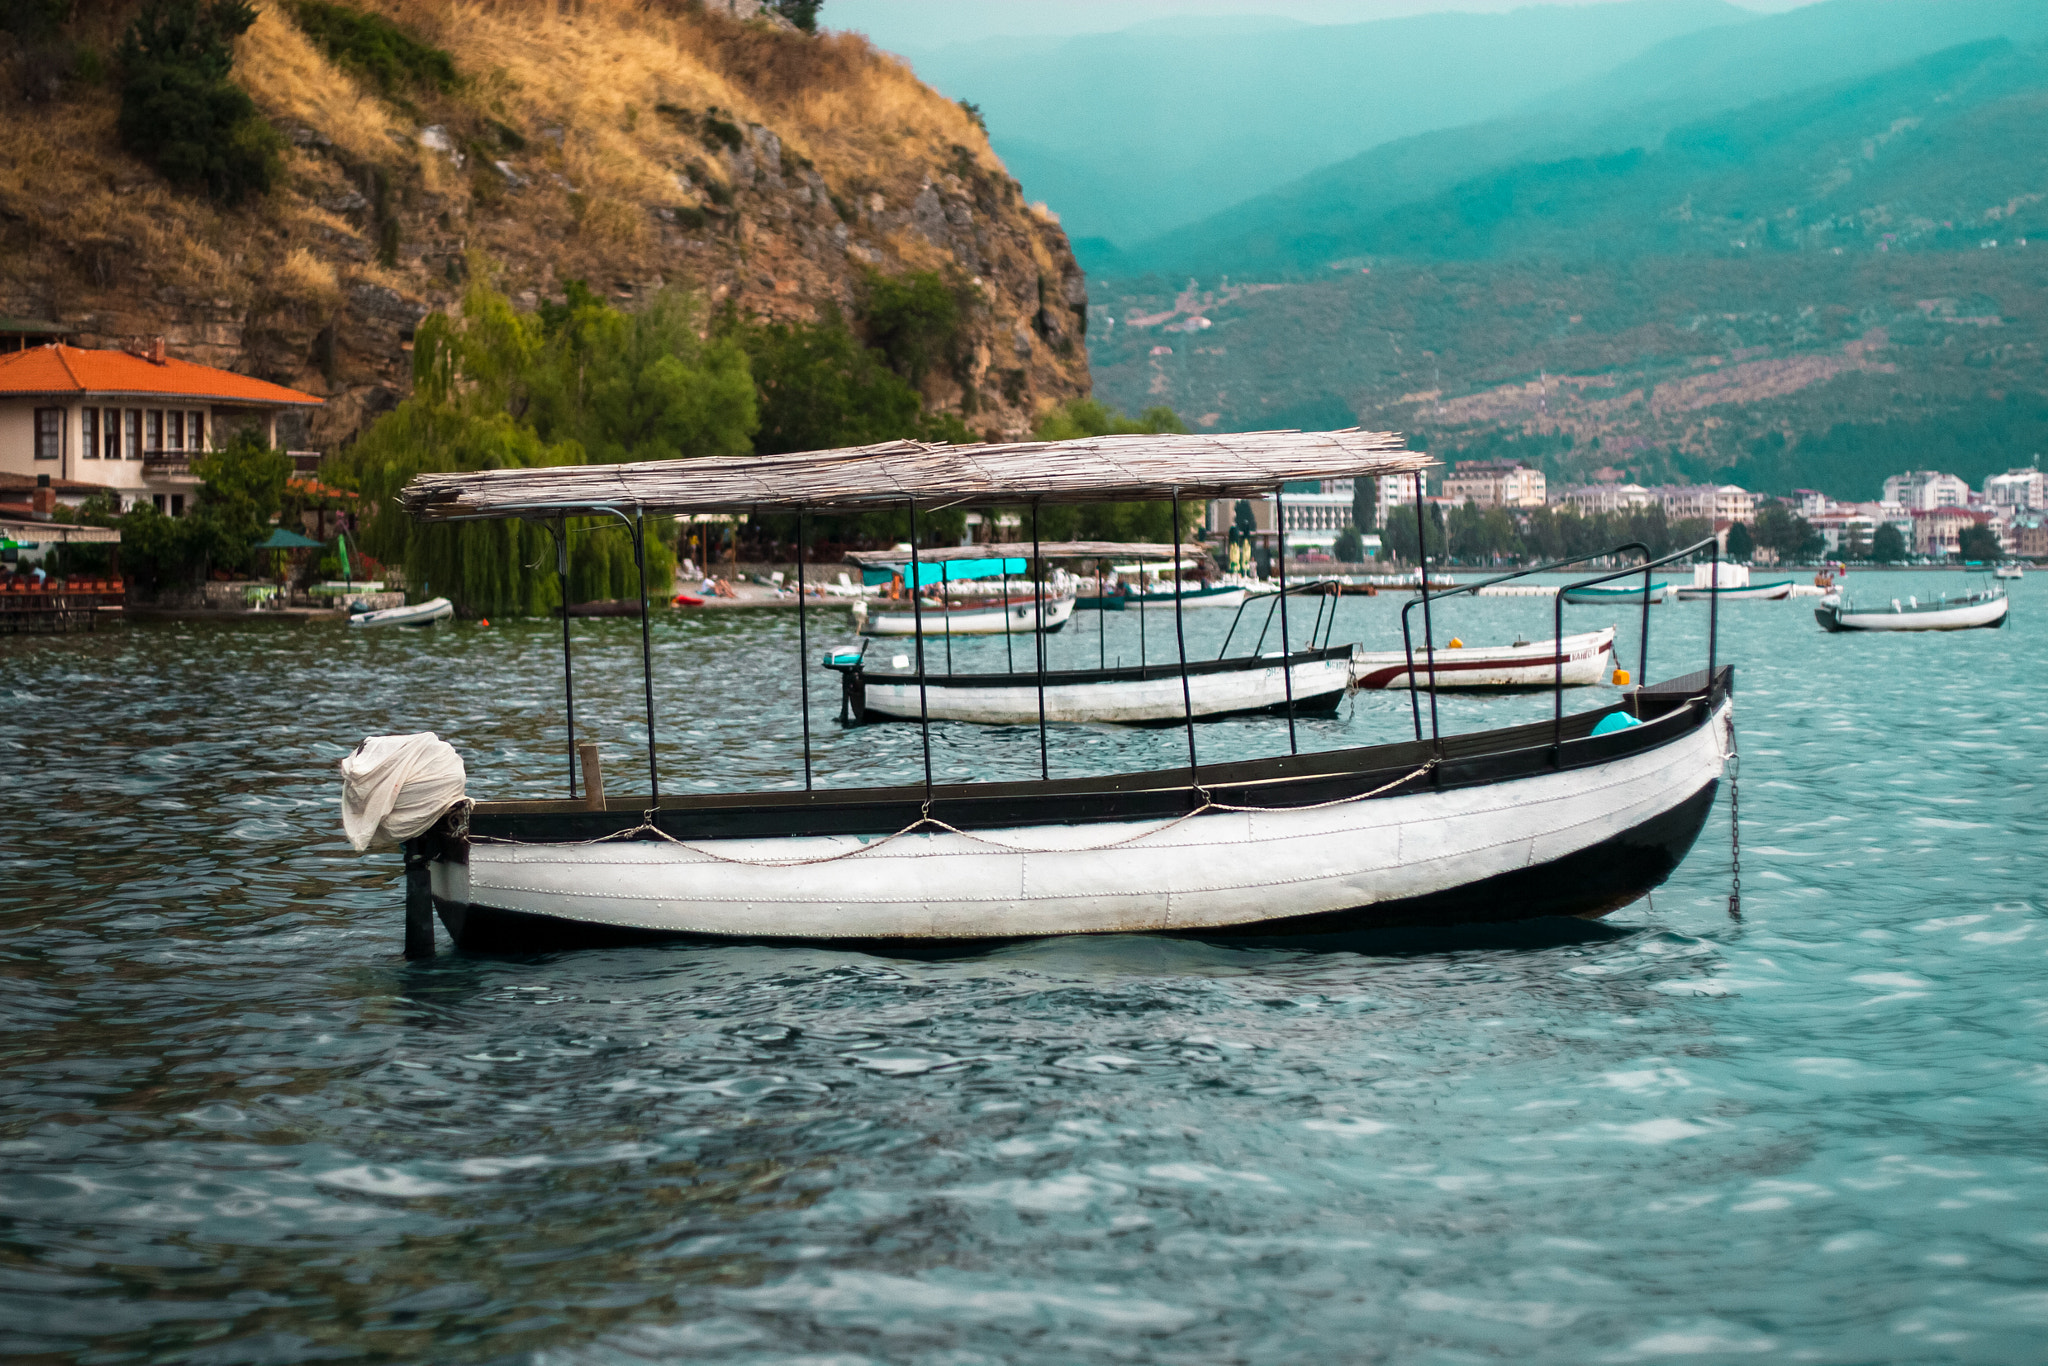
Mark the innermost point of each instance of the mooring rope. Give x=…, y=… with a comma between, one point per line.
x=926, y=821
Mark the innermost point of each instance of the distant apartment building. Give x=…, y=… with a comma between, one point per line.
x=1938, y=531
x=1317, y=510
x=1396, y=490
x=1717, y=503
x=1926, y=490
x=2020, y=490
x=1846, y=529
x=2030, y=535
x=1495, y=484
x=1588, y=499
x=1811, y=503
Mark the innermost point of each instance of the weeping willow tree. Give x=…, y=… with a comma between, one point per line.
x=580, y=383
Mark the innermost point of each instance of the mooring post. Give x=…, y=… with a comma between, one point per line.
x=419, y=902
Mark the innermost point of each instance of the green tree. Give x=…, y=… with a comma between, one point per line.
x=817, y=387
x=1887, y=545
x=637, y=386
x=241, y=487
x=912, y=319
x=1780, y=529
x=1350, y=548
x=1364, y=499
x=1398, y=535
x=180, y=111
x=1978, y=544
x=497, y=389
x=1741, y=544
x=802, y=13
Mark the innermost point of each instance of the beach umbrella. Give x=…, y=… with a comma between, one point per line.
x=281, y=539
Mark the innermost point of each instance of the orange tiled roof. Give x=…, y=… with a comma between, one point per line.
x=60, y=369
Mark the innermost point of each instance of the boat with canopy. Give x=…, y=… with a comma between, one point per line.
x=1312, y=680
x=1729, y=582
x=961, y=591
x=1572, y=815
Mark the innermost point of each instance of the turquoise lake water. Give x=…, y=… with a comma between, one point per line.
x=239, y=1128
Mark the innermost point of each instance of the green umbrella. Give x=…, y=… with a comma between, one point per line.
x=281, y=539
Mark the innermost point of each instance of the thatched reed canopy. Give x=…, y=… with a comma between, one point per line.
x=870, y=478
x=1048, y=550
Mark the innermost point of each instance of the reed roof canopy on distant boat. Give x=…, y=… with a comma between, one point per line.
x=1050, y=550
x=865, y=478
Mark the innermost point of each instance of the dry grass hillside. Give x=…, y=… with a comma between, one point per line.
x=630, y=145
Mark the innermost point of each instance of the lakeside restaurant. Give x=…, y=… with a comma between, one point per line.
x=126, y=422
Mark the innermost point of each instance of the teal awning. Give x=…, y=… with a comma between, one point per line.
x=944, y=570
x=282, y=539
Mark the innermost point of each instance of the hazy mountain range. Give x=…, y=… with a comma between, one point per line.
x=1668, y=239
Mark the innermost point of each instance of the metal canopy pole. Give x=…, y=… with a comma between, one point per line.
x=1009, y=651
x=1286, y=644
x=1181, y=640
x=1038, y=633
x=1101, y=621
x=803, y=648
x=1428, y=632
x=561, y=529
x=924, y=720
x=646, y=651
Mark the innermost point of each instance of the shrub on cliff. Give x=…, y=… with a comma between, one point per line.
x=378, y=52
x=180, y=111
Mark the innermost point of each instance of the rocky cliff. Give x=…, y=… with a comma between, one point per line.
x=633, y=146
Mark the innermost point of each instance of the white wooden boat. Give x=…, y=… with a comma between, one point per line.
x=1985, y=609
x=1588, y=658
x=1577, y=815
x=994, y=615
x=1149, y=695
x=418, y=614
x=1731, y=583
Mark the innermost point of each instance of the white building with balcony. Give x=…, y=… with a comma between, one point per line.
x=131, y=424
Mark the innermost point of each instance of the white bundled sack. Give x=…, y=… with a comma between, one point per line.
x=396, y=786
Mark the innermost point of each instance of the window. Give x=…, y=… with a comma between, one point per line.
x=49, y=433
x=175, y=438
x=177, y=505
x=195, y=432
x=159, y=500
x=135, y=433
x=153, y=429
x=111, y=422
x=89, y=433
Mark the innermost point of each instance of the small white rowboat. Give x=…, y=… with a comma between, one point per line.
x=991, y=616
x=1587, y=659
x=418, y=614
x=1943, y=614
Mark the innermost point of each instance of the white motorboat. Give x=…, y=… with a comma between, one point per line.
x=1587, y=658
x=1965, y=613
x=1574, y=815
x=1730, y=583
x=417, y=614
x=994, y=615
x=2011, y=570
x=1149, y=695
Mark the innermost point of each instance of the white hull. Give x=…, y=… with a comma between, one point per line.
x=1763, y=592
x=1587, y=660
x=1961, y=618
x=994, y=619
x=1191, y=598
x=1317, y=682
x=419, y=614
x=1209, y=871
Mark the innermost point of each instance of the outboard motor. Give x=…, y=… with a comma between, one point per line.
x=853, y=688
